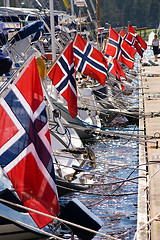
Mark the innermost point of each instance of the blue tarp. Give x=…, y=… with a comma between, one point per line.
x=36, y=27
x=3, y=38
x=5, y=63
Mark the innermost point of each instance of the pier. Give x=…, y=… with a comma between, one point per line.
x=148, y=213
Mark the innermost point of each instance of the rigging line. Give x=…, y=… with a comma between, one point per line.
x=98, y=194
x=114, y=133
x=155, y=218
x=91, y=161
x=103, y=130
x=138, y=138
x=93, y=172
x=129, y=139
x=119, y=111
x=29, y=226
x=125, y=84
x=56, y=218
x=98, y=202
x=120, y=99
x=105, y=101
x=130, y=180
x=101, y=175
x=116, y=182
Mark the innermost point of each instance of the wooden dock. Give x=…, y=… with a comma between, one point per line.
x=148, y=214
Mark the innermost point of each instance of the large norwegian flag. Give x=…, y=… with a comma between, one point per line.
x=62, y=75
x=88, y=60
x=118, y=48
x=25, y=145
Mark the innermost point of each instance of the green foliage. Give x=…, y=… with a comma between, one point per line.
x=140, y=13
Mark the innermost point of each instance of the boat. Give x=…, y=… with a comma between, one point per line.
x=22, y=192
x=71, y=170
x=15, y=222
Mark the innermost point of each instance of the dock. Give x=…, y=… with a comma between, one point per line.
x=148, y=209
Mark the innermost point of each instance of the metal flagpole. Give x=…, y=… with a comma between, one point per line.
x=51, y=5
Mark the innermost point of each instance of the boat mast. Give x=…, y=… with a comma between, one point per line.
x=98, y=15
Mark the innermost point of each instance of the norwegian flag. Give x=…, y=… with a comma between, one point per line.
x=88, y=60
x=62, y=74
x=25, y=145
x=137, y=41
x=118, y=48
x=127, y=37
x=132, y=41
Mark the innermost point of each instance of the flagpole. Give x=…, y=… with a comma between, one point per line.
x=51, y=5
x=106, y=38
x=52, y=108
x=98, y=22
x=52, y=65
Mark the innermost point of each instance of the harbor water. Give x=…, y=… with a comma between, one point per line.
x=114, y=197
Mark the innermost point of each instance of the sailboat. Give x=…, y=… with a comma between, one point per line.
x=27, y=160
x=27, y=175
x=25, y=145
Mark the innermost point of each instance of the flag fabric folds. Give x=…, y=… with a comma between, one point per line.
x=122, y=33
x=118, y=48
x=137, y=41
x=62, y=75
x=119, y=72
x=25, y=145
x=115, y=69
x=88, y=60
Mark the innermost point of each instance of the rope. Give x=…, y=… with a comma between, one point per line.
x=101, y=130
x=99, y=194
x=58, y=219
x=156, y=218
x=98, y=202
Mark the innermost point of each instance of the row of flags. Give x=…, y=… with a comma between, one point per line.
x=134, y=40
x=81, y=56
x=25, y=144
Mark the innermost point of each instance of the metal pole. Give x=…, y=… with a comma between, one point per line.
x=51, y=5
x=52, y=108
x=6, y=3
x=72, y=8
x=80, y=19
x=98, y=22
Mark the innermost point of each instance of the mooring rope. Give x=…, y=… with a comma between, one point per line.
x=58, y=219
x=156, y=218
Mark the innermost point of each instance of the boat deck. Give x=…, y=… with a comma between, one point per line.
x=148, y=224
